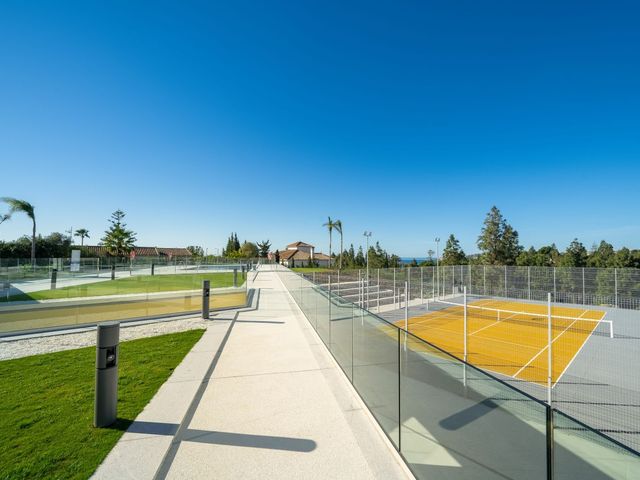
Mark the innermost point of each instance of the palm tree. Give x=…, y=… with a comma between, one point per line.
x=4, y=218
x=16, y=205
x=82, y=233
x=330, y=226
x=338, y=227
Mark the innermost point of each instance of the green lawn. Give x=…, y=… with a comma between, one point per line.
x=46, y=405
x=134, y=284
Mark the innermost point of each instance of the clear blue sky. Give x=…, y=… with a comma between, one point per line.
x=410, y=119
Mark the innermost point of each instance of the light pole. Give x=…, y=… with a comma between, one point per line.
x=438, y=264
x=367, y=234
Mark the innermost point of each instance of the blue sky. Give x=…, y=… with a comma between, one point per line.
x=409, y=119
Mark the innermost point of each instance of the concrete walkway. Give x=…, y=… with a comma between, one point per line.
x=259, y=396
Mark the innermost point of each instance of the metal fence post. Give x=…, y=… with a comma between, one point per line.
x=484, y=279
x=505, y=282
x=615, y=278
x=394, y=287
x=550, y=443
x=529, y=282
x=584, y=300
x=549, y=345
x=378, y=309
x=554, y=284
x=465, y=331
x=407, y=295
x=433, y=282
x=454, y=290
x=406, y=307
x=464, y=294
x=329, y=298
x=422, y=284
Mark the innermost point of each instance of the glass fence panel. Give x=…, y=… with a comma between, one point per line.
x=579, y=452
x=316, y=297
x=449, y=419
x=342, y=333
x=375, y=369
x=323, y=316
x=88, y=300
x=458, y=420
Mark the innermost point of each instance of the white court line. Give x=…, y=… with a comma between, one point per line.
x=547, y=346
x=580, y=349
x=494, y=323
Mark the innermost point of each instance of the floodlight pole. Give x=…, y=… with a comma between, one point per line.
x=367, y=234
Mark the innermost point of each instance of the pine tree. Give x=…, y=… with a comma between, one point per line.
x=498, y=241
x=233, y=246
x=510, y=245
x=603, y=256
x=575, y=255
x=117, y=239
x=453, y=253
x=263, y=248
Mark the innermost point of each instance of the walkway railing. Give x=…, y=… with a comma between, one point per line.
x=447, y=418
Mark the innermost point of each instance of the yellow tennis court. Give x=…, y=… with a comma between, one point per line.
x=509, y=337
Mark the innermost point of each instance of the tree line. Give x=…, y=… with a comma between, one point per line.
x=499, y=244
x=235, y=249
x=378, y=258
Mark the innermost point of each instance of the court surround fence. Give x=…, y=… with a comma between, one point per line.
x=441, y=412
x=616, y=287
x=600, y=386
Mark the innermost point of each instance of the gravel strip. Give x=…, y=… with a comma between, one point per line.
x=69, y=341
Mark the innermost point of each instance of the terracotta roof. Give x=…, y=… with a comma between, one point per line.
x=300, y=255
x=286, y=254
x=299, y=244
x=101, y=251
x=145, y=251
x=174, y=252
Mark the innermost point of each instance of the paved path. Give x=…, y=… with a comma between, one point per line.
x=259, y=396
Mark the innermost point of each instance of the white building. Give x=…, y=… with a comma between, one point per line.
x=301, y=254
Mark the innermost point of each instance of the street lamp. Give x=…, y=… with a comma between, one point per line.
x=438, y=263
x=367, y=234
